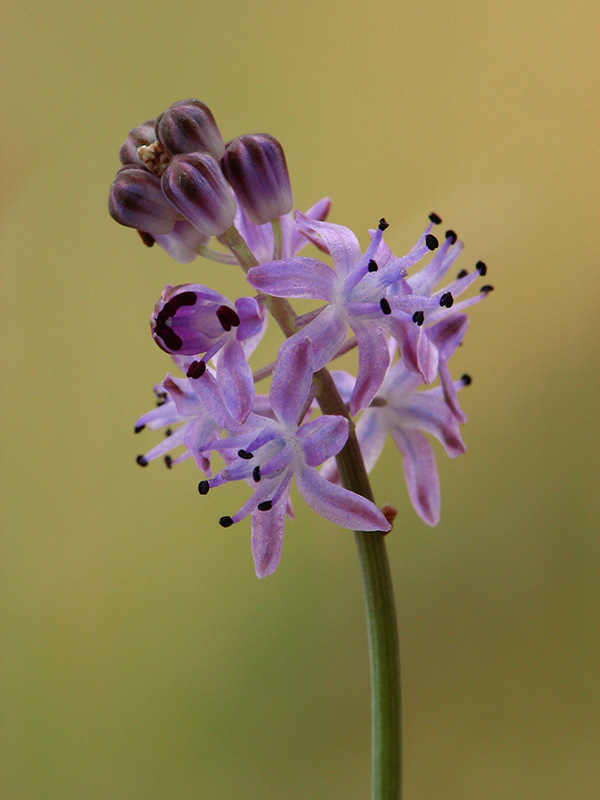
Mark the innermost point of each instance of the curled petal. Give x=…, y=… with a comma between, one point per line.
x=338, y=505
x=421, y=473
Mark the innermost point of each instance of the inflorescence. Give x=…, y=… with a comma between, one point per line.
x=179, y=186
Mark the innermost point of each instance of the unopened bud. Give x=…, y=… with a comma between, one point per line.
x=136, y=200
x=142, y=135
x=189, y=127
x=255, y=166
x=195, y=186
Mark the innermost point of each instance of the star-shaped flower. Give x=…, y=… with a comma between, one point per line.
x=274, y=450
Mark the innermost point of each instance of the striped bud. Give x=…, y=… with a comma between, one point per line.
x=136, y=200
x=189, y=127
x=255, y=166
x=195, y=186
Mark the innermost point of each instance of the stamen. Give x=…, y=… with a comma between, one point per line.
x=225, y=522
x=196, y=370
x=467, y=380
x=227, y=317
x=168, y=432
x=385, y=306
x=373, y=266
x=447, y=300
x=182, y=299
x=138, y=428
x=431, y=242
x=462, y=274
x=435, y=218
x=245, y=454
x=383, y=224
x=168, y=462
x=266, y=505
x=419, y=318
x=256, y=473
x=203, y=487
x=142, y=461
x=481, y=267
x=486, y=289
x=452, y=236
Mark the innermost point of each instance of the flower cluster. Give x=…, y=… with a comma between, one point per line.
x=181, y=185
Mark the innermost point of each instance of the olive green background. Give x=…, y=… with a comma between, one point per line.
x=141, y=657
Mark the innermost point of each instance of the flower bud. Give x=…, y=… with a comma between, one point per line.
x=136, y=200
x=255, y=166
x=189, y=127
x=195, y=186
x=142, y=135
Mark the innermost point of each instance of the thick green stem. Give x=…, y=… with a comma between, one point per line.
x=379, y=595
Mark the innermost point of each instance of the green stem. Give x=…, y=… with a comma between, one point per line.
x=382, y=627
x=377, y=582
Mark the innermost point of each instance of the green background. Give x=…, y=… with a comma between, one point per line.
x=141, y=657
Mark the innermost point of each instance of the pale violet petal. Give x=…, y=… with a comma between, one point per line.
x=323, y=437
x=338, y=505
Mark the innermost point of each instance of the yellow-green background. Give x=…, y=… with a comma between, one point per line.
x=142, y=659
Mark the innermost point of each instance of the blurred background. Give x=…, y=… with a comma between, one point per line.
x=141, y=657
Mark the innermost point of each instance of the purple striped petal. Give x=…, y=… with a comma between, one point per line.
x=373, y=361
x=267, y=536
x=292, y=379
x=338, y=505
x=323, y=437
x=340, y=242
x=235, y=382
x=420, y=472
x=294, y=277
x=327, y=333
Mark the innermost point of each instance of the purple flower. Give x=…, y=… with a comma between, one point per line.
x=273, y=450
x=356, y=293
x=192, y=320
x=407, y=414
x=178, y=404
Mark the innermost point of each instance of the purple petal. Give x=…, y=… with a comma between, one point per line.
x=371, y=433
x=373, y=361
x=292, y=379
x=323, y=437
x=267, y=536
x=327, y=333
x=418, y=352
x=421, y=474
x=294, y=277
x=340, y=242
x=338, y=505
x=235, y=382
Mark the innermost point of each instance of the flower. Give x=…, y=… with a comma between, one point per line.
x=178, y=403
x=407, y=414
x=273, y=450
x=356, y=293
x=192, y=320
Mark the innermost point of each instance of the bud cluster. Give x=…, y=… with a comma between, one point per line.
x=179, y=185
